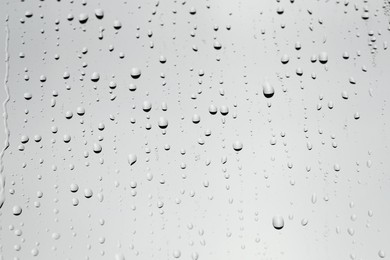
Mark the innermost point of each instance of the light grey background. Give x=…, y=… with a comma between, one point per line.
x=200, y=198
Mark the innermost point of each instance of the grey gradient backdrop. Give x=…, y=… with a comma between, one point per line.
x=199, y=199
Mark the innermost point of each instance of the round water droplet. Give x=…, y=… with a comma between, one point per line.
x=224, y=110
x=268, y=90
x=37, y=138
x=97, y=148
x=34, y=252
x=112, y=85
x=27, y=96
x=192, y=10
x=195, y=119
x=67, y=138
x=83, y=18
x=66, y=75
x=55, y=236
x=217, y=45
x=344, y=94
x=163, y=59
x=88, y=193
x=42, y=78
x=75, y=201
x=117, y=25
x=285, y=59
x=135, y=73
x=213, y=109
x=278, y=222
x=69, y=114
x=132, y=87
x=101, y=126
x=160, y=204
x=237, y=146
x=95, y=77
x=279, y=10
x=28, y=14
x=74, y=187
x=146, y=106
x=80, y=111
x=24, y=139
x=99, y=13
x=163, y=122
x=176, y=254
x=323, y=57
x=17, y=210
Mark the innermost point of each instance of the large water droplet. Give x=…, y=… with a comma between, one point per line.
x=278, y=222
x=268, y=89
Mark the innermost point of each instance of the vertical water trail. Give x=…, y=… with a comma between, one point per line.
x=5, y=115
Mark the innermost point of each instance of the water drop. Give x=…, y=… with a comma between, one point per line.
x=99, y=13
x=88, y=193
x=17, y=210
x=83, y=18
x=132, y=158
x=97, y=148
x=237, y=146
x=323, y=57
x=278, y=222
x=163, y=122
x=135, y=73
x=268, y=89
